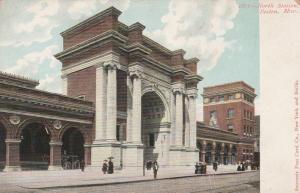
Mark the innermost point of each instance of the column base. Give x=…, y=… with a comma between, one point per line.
x=12, y=169
x=102, y=150
x=55, y=168
x=192, y=156
x=133, y=157
x=177, y=156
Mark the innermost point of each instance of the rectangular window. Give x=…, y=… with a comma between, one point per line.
x=230, y=97
x=151, y=140
x=221, y=98
x=230, y=113
x=213, y=99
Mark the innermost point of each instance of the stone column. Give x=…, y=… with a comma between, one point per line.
x=213, y=152
x=12, y=162
x=179, y=116
x=111, y=107
x=230, y=154
x=222, y=154
x=129, y=110
x=203, y=151
x=133, y=151
x=192, y=95
x=137, y=109
x=101, y=89
x=55, y=155
x=187, y=122
x=64, y=85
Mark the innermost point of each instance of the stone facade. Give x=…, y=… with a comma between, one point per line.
x=122, y=72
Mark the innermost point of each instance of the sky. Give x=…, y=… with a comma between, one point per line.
x=222, y=35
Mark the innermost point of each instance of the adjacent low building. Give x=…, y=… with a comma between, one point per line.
x=227, y=133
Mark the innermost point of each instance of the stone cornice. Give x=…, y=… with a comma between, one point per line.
x=229, y=91
x=86, y=44
x=95, y=61
x=135, y=47
x=16, y=79
x=86, y=23
x=135, y=26
x=157, y=45
x=193, y=77
x=17, y=95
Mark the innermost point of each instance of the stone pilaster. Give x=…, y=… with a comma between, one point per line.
x=111, y=107
x=129, y=110
x=187, y=123
x=178, y=91
x=55, y=155
x=101, y=90
x=222, y=154
x=137, y=109
x=192, y=95
x=12, y=162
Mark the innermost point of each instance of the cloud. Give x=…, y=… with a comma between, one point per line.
x=51, y=83
x=199, y=28
x=87, y=8
x=32, y=63
x=24, y=27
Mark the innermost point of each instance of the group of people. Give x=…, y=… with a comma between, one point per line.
x=243, y=166
x=200, y=168
x=108, y=167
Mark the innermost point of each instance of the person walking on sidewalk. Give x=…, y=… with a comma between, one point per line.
x=82, y=165
x=110, y=167
x=155, y=169
x=104, y=167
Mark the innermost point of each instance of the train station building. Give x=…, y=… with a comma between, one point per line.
x=124, y=96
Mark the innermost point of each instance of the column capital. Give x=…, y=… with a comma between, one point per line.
x=136, y=71
x=178, y=88
x=192, y=92
x=114, y=65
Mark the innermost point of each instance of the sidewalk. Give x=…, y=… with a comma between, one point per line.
x=76, y=178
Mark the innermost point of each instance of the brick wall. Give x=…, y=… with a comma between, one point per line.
x=83, y=82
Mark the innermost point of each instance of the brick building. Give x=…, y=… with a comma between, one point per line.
x=228, y=131
x=125, y=96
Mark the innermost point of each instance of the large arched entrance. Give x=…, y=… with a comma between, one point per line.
x=72, y=148
x=155, y=128
x=34, y=147
x=2, y=147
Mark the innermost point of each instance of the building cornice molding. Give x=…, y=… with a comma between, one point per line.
x=87, y=23
x=111, y=34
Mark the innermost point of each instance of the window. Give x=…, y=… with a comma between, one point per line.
x=213, y=100
x=213, y=114
x=245, y=113
x=118, y=133
x=230, y=127
x=230, y=97
x=151, y=140
x=230, y=113
x=251, y=115
x=221, y=98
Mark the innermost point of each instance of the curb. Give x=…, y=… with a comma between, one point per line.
x=135, y=181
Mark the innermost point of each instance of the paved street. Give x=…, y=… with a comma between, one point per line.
x=44, y=181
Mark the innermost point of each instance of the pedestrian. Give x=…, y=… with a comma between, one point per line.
x=82, y=165
x=243, y=166
x=110, y=167
x=155, y=169
x=197, y=166
x=104, y=166
x=215, y=166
